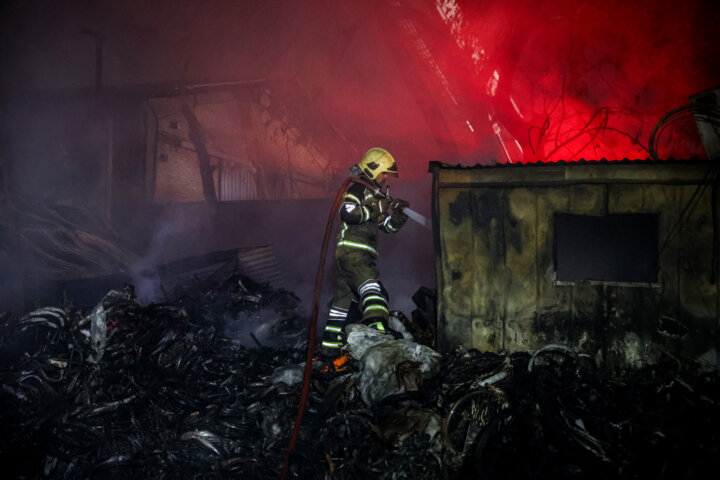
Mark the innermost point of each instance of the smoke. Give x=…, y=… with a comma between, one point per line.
x=570, y=80
x=255, y=328
x=148, y=287
x=406, y=258
x=429, y=80
x=166, y=234
x=540, y=80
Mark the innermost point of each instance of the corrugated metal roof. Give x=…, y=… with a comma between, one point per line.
x=257, y=263
x=582, y=161
x=260, y=264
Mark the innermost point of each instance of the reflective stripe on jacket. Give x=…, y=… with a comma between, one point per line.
x=361, y=219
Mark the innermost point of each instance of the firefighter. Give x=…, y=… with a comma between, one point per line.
x=359, y=294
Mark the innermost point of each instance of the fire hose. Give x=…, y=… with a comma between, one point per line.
x=313, y=320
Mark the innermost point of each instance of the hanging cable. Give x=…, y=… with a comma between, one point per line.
x=712, y=175
x=706, y=112
x=710, y=114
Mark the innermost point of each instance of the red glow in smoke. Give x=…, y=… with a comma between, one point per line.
x=569, y=80
x=463, y=81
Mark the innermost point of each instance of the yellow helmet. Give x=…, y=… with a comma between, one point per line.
x=377, y=161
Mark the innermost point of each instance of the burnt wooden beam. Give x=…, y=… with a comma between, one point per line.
x=197, y=137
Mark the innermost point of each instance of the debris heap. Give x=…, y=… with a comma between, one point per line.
x=208, y=386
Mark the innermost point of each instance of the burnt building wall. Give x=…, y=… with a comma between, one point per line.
x=497, y=252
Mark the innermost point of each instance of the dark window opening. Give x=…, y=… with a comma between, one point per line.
x=608, y=248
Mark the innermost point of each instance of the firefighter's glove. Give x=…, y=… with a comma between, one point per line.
x=398, y=204
x=398, y=218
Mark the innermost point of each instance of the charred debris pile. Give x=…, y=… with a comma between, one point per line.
x=125, y=390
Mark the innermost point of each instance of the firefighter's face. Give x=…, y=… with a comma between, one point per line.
x=381, y=178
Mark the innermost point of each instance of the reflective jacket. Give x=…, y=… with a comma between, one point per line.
x=361, y=219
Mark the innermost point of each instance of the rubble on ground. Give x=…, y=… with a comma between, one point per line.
x=208, y=386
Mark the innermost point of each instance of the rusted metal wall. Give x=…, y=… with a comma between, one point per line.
x=497, y=287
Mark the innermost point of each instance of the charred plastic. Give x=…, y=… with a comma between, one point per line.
x=190, y=389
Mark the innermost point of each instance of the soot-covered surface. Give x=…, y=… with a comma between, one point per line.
x=175, y=390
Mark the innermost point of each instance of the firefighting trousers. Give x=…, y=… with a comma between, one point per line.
x=357, y=280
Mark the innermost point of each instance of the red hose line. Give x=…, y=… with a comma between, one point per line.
x=313, y=320
x=313, y=328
